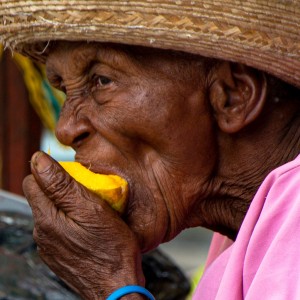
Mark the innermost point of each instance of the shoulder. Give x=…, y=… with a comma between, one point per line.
x=282, y=186
x=271, y=235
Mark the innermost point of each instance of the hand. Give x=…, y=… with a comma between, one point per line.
x=79, y=236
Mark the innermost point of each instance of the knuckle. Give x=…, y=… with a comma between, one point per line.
x=30, y=187
x=27, y=181
x=43, y=228
x=59, y=184
x=37, y=236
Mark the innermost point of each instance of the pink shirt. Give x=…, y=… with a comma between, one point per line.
x=264, y=261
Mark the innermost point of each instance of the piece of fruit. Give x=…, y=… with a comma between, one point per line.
x=111, y=188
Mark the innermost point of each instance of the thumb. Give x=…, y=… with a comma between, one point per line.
x=58, y=185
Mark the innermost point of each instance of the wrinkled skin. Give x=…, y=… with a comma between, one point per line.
x=138, y=122
x=134, y=126
x=167, y=126
x=71, y=224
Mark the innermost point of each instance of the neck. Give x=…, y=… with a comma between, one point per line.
x=245, y=162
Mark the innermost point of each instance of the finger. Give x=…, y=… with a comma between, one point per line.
x=39, y=203
x=66, y=193
x=45, y=214
x=48, y=220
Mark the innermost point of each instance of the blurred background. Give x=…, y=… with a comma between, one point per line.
x=29, y=110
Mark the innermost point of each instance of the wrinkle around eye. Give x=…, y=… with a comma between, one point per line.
x=101, y=97
x=105, y=93
x=103, y=76
x=56, y=82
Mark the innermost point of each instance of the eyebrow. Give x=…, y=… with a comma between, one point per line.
x=90, y=65
x=115, y=58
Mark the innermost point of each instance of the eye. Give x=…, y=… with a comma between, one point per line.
x=102, y=81
x=56, y=82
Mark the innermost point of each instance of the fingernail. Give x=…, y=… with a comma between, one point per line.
x=41, y=162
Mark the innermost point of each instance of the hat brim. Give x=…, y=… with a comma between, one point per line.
x=261, y=34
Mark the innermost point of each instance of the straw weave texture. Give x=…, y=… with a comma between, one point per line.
x=261, y=33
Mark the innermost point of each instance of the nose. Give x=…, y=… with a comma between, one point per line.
x=72, y=128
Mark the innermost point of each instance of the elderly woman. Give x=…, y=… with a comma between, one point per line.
x=194, y=103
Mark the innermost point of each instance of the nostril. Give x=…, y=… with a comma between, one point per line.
x=80, y=138
x=73, y=128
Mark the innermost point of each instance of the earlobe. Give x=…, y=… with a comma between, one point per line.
x=237, y=95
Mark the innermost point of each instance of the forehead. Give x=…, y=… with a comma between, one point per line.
x=80, y=55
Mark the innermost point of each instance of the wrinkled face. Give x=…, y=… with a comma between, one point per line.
x=141, y=114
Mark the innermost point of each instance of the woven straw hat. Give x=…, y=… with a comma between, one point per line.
x=264, y=34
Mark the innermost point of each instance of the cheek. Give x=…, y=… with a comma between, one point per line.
x=120, y=109
x=145, y=116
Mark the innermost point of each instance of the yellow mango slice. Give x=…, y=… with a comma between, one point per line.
x=111, y=188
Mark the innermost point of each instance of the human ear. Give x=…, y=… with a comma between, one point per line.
x=237, y=95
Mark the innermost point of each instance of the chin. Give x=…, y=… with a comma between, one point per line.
x=147, y=221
